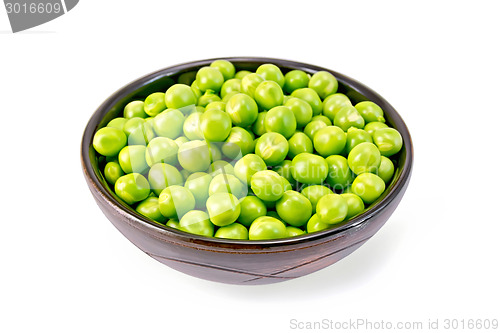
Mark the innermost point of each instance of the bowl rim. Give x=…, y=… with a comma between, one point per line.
x=357, y=222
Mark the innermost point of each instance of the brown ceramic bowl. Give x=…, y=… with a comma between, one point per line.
x=232, y=261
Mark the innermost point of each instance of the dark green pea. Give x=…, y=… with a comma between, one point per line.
x=373, y=126
x=370, y=112
x=333, y=103
x=238, y=143
x=266, y=227
x=258, y=127
x=348, y=117
x=314, y=224
x=386, y=169
x=198, y=184
x=132, y=188
x=169, y=123
x=330, y=140
x=272, y=148
x=225, y=67
x=232, y=231
x=313, y=127
x=162, y=150
x=112, y=171
x=301, y=110
x=295, y=79
x=324, y=83
x=355, y=136
x=230, y=86
x=309, y=168
x=310, y=96
x=274, y=214
x=299, y=143
x=271, y=72
x=355, y=205
x=339, y=174
x=133, y=159
x=315, y=192
x=187, y=78
x=154, y=104
x=365, y=157
x=251, y=208
x=388, y=141
x=197, y=222
x=134, y=109
x=281, y=119
x=247, y=166
x=150, y=208
x=368, y=186
x=163, y=175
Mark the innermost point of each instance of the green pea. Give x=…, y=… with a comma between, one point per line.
x=322, y=118
x=365, y=157
x=247, y=166
x=355, y=136
x=232, y=231
x=266, y=227
x=250, y=82
x=163, y=175
x=242, y=109
x=309, y=168
x=313, y=127
x=241, y=74
x=271, y=72
x=187, y=78
x=333, y=103
x=268, y=94
x=258, y=127
x=194, y=156
x=180, y=96
x=225, y=67
x=154, y=104
x=132, y=124
x=173, y=223
x=118, y=123
x=223, y=208
x=386, y=169
x=301, y=110
x=224, y=183
x=162, y=150
x=230, y=86
x=198, y=184
x=370, y=112
x=112, y=171
x=332, y=209
x=339, y=174
x=209, y=78
x=251, y=208
x=180, y=140
x=314, y=224
x=220, y=167
x=133, y=159
x=219, y=105
x=272, y=148
x=315, y=192
x=280, y=119
x=267, y=185
x=329, y=140
x=151, y=209
x=215, y=125
x=196, y=90
x=132, y=188
x=109, y=141
x=208, y=97
x=284, y=169
x=197, y=222
x=368, y=187
x=388, y=141
x=134, y=109
x=192, y=128
x=355, y=205
x=169, y=123
x=310, y=96
x=293, y=231
x=373, y=126
x=295, y=79
x=348, y=117
x=299, y=143
x=294, y=208
x=227, y=97
x=324, y=83
x=238, y=143
x=175, y=201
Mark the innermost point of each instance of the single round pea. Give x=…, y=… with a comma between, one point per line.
x=220, y=167
x=197, y=222
x=301, y=110
x=169, y=123
x=280, y=119
x=162, y=150
x=219, y=105
x=266, y=227
x=293, y=231
x=348, y=117
x=299, y=143
x=330, y=140
x=294, y=208
x=272, y=148
x=133, y=159
x=134, y=109
x=232, y=85
x=333, y=103
x=149, y=207
x=232, y=231
x=224, y=183
x=112, y=171
x=118, y=123
x=209, y=78
x=132, y=188
x=208, y=97
x=355, y=205
x=227, y=97
x=373, y=126
x=388, y=141
x=241, y=74
x=179, y=96
x=154, y=104
x=313, y=127
x=370, y=111
x=238, y=143
x=310, y=96
x=386, y=169
x=314, y=224
x=109, y=141
x=368, y=187
x=215, y=125
x=180, y=140
x=242, y=109
x=339, y=174
x=284, y=169
x=332, y=208
x=194, y=156
x=322, y=118
x=315, y=192
x=175, y=201
x=250, y=82
x=324, y=83
x=173, y=223
x=163, y=175
x=192, y=126
x=247, y=166
x=251, y=208
x=223, y=208
x=365, y=157
x=225, y=67
x=142, y=134
x=132, y=124
x=309, y=168
x=295, y=79
x=268, y=94
x=271, y=72
x=355, y=136
x=267, y=185
x=198, y=184
x=258, y=127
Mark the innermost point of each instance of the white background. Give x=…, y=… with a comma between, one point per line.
x=64, y=268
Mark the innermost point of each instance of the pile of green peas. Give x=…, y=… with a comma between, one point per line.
x=249, y=156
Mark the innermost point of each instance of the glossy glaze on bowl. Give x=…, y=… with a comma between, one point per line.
x=231, y=261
